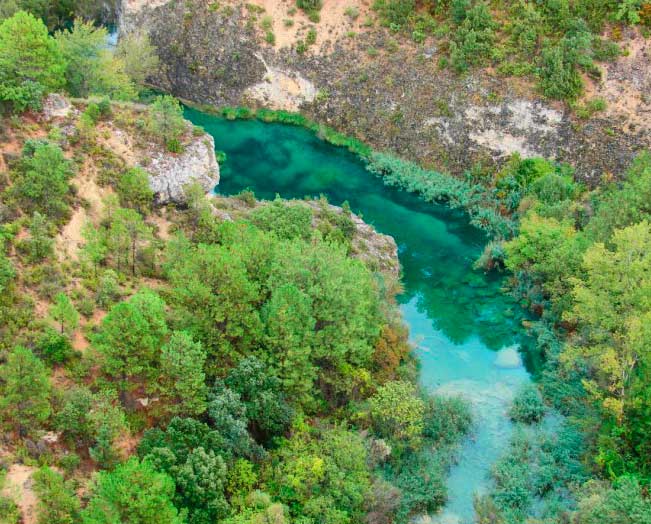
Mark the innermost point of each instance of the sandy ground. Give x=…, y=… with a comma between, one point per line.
x=333, y=26
x=18, y=485
x=626, y=85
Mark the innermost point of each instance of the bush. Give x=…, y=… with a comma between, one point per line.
x=527, y=406
x=395, y=12
x=165, y=121
x=54, y=347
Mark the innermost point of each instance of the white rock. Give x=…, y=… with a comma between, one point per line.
x=169, y=173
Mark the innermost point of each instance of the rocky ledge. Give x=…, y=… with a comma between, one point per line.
x=169, y=173
x=379, y=252
x=395, y=99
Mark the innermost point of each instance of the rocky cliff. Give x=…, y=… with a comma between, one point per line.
x=395, y=98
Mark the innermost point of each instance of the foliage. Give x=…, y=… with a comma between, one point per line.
x=30, y=62
x=91, y=68
x=134, y=191
x=288, y=222
x=397, y=413
x=25, y=387
x=527, y=406
x=624, y=503
x=139, y=56
x=134, y=492
x=130, y=338
x=57, y=503
x=183, y=380
x=322, y=477
x=165, y=119
x=64, y=312
x=41, y=178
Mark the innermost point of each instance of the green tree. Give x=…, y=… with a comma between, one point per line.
x=139, y=55
x=165, y=119
x=133, y=492
x=91, y=68
x=40, y=244
x=133, y=188
x=42, y=179
x=623, y=503
x=30, y=62
x=92, y=421
x=217, y=301
x=25, y=387
x=95, y=247
x=266, y=409
x=64, y=312
x=325, y=478
x=397, y=412
x=57, y=502
x=289, y=329
x=200, y=483
x=130, y=338
x=127, y=237
x=614, y=315
x=183, y=378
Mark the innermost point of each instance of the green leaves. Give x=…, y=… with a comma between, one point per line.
x=30, y=62
x=134, y=492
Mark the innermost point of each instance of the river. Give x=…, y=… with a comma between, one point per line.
x=463, y=328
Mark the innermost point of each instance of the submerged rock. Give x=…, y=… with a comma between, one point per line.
x=508, y=358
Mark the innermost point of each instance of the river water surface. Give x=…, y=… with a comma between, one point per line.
x=460, y=323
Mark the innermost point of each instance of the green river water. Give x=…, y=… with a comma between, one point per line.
x=461, y=325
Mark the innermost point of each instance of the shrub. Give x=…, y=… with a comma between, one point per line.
x=527, y=406
x=395, y=12
x=309, y=5
x=165, y=121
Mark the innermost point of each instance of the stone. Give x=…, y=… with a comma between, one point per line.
x=508, y=358
x=170, y=173
x=56, y=106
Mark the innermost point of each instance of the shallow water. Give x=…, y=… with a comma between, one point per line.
x=457, y=317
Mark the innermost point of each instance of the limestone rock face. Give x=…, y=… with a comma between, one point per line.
x=169, y=173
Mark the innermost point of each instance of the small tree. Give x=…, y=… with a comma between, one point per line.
x=25, y=388
x=134, y=190
x=130, y=337
x=183, y=378
x=64, y=312
x=57, y=503
x=139, y=56
x=30, y=62
x=42, y=178
x=135, y=493
x=165, y=120
x=40, y=244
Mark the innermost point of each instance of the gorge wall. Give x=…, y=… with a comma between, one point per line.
x=395, y=98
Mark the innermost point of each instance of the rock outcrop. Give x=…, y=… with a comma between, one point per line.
x=397, y=100
x=169, y=174
x=379, y=252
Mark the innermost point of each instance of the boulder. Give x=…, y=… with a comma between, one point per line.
x=508, y=358
x=56, y=106
x=170, y=173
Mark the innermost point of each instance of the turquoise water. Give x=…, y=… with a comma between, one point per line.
x=459, y=321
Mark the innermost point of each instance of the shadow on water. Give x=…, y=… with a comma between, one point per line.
x=459, y=320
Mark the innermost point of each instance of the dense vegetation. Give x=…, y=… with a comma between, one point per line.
x=240, y=371
x=554, y=42
x=256, y=371
x=580, y=263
